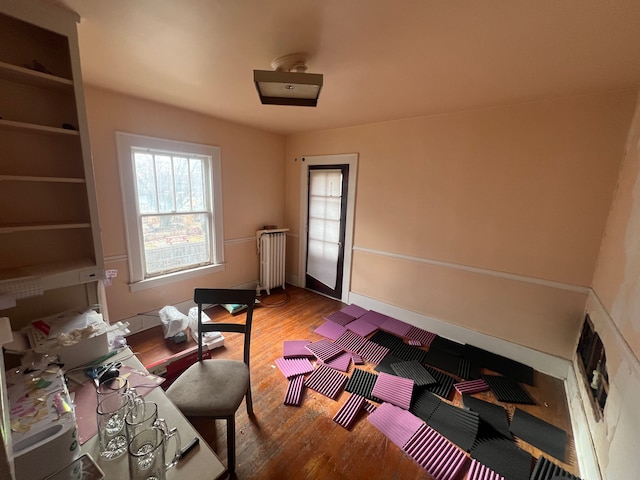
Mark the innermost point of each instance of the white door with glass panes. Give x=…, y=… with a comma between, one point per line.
x=327, y=213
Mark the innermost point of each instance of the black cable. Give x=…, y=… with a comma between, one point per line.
x=276, y=304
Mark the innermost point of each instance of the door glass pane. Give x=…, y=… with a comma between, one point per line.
x=325, y=191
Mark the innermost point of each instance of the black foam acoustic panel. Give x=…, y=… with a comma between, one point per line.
x=545, y=469
x=503, y=457
x=516, y=370
x=506, y=389
x=540, y=434
x=494, y=419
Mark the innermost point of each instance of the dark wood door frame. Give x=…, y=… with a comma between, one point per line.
x=350, y=159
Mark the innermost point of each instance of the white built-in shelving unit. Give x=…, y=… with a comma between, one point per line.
x=50, y=245
x=49, y=230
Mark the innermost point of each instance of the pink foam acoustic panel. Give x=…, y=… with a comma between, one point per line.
x=290, y=367
x=324, y=349
x=374, y=318
x=393, y=389
x=354, y=310
x=341, y=362
x=293, y=396
x=330, y=330
x=326, y=381
x=478, y=471
x=349, y=411
x=295, y=348
x=395, y=326
x=357, y=359
x=438, y=456
x=361, y=327
x=370, y=407
x=471, y=386
x=397, y=424
x=421, y=336
x=373, y=352
x=350, y=341
x=340, y=318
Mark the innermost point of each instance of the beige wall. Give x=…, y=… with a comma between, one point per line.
x=617, y=278
x=252, y=183
x=614, y=309
x=522, y=190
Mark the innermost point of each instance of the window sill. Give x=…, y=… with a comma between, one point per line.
x=174, y=277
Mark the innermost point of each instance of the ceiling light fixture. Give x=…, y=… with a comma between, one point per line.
x=288, y=83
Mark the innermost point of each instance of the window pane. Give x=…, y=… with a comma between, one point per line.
x=322, y=258
x=175, y=242
x=327, y=183
x=324, y=230
x=145, y=182
x=164, y=179
x=183, y=190
x=198, y=198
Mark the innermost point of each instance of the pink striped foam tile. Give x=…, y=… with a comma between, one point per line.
x=341, y=362
x=357, y=359
x=361, y=327
x=340, y=318
x=478, y=471
x=349, y=411
x=437, y=455
x=397, y=424
x=471, y=386
x=369, y=407
x=331, y=330
x=290, y=367
x=351, y=341
x=393, y=389
x=354, y=310
x=374, y=318
x=419, y=335
x=373, y=352
x=395, y=326
x=296, y=348
x=293, y=396
x=326, y=381
x=324, y=349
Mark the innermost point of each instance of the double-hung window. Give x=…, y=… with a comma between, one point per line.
x=173, y=212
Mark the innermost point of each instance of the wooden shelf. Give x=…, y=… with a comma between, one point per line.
x=32, y=77
x=33, y=227
x=55, y=274
x=28, y=178
x=37, y=128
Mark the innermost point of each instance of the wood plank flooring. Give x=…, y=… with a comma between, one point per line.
x=304, y=442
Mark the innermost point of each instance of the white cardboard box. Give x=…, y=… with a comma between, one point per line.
x=85, y=349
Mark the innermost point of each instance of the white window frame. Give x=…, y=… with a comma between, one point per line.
x=125, y=142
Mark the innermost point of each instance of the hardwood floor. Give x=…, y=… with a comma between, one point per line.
x=304, y=442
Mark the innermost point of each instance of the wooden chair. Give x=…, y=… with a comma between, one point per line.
x=214, y=388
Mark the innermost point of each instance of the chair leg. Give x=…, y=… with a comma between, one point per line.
x=249, y=402
x=231, y=445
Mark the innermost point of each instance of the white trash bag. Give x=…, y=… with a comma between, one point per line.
x=173, y=321
x=193, y=326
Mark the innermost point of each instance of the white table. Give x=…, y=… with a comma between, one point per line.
x=201, y=463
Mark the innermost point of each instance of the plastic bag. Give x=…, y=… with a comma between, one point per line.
x=173, y=321
x=193, y=324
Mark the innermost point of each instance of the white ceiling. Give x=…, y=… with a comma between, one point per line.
x=381, y=59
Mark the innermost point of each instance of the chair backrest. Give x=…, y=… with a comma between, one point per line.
x=220, y=296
